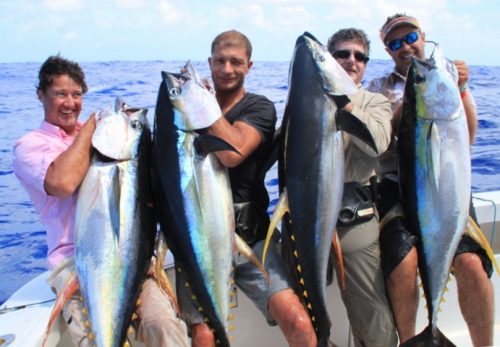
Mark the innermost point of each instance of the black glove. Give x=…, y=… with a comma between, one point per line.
x=341, y=100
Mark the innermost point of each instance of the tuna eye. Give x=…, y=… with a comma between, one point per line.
x=419, y=79
x=135, y=124
x=320, y=57
x=174, y=91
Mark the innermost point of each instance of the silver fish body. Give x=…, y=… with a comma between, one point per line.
x=194, y=196
x=115, y=224
x=435, y=171
x=311, y=169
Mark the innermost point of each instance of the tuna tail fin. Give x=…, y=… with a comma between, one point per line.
x=351, y=124
x=279, y=212
x=247, y=252
x=206, y=143
x=474, y=231
x=428, y=338
x=62, y=297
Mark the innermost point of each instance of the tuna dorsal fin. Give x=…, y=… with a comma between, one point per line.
x=248, y=253
x=206, y=143
x=279, y=212
x=62, y=297
x=349, y=123
x=340, y=258
x=161, y=275
x=474, y=231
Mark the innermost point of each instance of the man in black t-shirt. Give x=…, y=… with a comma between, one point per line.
x=248, y=124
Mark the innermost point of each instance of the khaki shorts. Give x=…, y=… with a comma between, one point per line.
x=365, y=300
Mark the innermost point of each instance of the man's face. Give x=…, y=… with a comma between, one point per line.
x=354, y=67
x=229, y=65
x=402, y=56
x=62, y=102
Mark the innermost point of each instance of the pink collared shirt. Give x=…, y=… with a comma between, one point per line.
x=33, y=154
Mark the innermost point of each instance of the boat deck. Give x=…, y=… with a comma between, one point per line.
x=250, y=328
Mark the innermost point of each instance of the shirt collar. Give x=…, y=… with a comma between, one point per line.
x=56, y=130
x=395, y=75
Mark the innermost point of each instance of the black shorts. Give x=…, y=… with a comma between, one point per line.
x=396, y=240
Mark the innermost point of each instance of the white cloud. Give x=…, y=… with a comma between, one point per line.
x=130, y=4
x=71, y=36
x=168, y=28
x=243, y=15
x=293, y=15
x=64, y=5
x=169, y=12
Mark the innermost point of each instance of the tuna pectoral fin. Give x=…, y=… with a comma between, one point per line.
x=206, y=143
x=272, y=157
x=160, y=274
x=433, y=155
x=62, y=297
x=428, y=339
x=340, y=259
x=247, y=252
x=351, y=124
x=279, y=212
x=474, y=231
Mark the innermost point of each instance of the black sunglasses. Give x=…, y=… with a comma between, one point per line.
x=345, y=54
x=409, y=38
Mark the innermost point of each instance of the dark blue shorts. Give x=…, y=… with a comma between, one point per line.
x=396, y=240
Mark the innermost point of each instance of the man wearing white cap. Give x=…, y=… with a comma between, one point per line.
x=403, y=38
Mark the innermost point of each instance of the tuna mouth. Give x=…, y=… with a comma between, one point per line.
x=104, y=158
x=310, y=36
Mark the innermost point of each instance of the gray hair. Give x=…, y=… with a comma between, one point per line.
x=349, y=34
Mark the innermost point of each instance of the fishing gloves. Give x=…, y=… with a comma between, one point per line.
x=341, y=100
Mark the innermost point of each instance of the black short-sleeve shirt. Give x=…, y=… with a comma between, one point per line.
x=247, y=183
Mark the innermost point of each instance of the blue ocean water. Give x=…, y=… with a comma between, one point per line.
x=22, y=238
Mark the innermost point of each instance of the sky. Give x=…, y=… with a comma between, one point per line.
x=134, y=30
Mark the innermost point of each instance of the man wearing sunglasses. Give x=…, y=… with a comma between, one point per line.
x=403, y=39
x=366, y=303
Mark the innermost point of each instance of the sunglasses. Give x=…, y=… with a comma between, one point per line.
x=345, y=54
x=409, y=38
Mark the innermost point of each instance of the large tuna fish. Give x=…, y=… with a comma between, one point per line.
x=435, y=171
x=195, y=206
x=115, y=225
x=311, y=169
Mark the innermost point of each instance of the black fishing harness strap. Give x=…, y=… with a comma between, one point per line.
x=251, y=222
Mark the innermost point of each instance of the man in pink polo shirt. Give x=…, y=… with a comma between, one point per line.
x=51, y=162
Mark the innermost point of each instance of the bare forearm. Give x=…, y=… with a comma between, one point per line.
x=243, y=137
x=68, y=170
x=467, y=98
x=471, y=115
